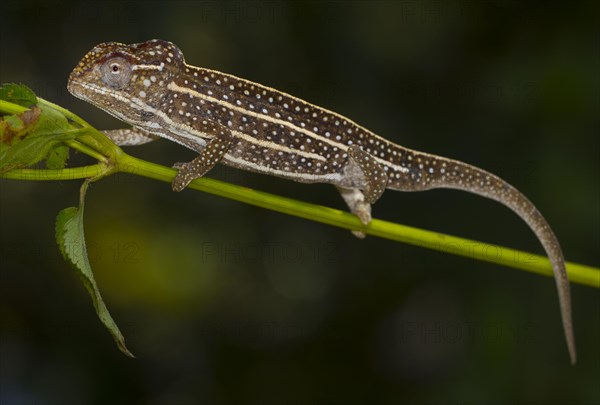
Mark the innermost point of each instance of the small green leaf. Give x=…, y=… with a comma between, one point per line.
x=40, y=130
x=18, y=94
x=71, y=241
x=28, y=152
x=57, y=157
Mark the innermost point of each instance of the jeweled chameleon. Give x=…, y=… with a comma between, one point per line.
x=252, y=127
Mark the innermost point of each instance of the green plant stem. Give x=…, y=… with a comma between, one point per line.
x=432, y=240
x=84, y=172
x=81, y=147
x=10, y=108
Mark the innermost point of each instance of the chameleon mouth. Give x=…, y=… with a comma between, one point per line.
x=72, y=86
x=87, y=91
x=91, y=93
x=94, y=95
x=80, y=89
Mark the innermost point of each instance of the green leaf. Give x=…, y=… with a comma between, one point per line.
x=57, y=157
x=32, y=136
x=71, y=241
x=18, y=94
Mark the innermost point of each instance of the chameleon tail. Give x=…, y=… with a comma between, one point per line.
x=431, y=171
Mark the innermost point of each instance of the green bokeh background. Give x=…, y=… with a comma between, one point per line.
x=225, y=303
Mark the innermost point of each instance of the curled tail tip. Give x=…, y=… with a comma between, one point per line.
x=572, y=351
x=572, y=348
x=564, y=298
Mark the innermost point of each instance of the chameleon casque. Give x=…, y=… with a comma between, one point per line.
x=257, y=128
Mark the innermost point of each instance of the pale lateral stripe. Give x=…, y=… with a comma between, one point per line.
x=150, y=67
x=276, y=146
x=293, y=175
x=186, y=131
x=173, y=86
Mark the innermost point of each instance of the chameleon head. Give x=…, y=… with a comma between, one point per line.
x=127, y=81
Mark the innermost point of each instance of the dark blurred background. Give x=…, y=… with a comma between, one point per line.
x=225, y=303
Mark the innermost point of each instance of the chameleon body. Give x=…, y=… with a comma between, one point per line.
x=253, y=127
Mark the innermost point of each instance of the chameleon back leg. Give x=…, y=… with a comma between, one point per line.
x=355, y=199
x=362, y=166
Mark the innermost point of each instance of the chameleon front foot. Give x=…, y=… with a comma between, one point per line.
x=212, y=154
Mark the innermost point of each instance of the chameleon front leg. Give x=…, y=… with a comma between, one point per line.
x=362, y=164
x=209, y=156
x=130, y=137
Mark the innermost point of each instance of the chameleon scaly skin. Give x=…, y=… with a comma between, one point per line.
x=253, y=127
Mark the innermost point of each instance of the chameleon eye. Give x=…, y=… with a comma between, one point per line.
x=116, y=72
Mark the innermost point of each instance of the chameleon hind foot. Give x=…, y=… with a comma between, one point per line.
x=355, y=200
